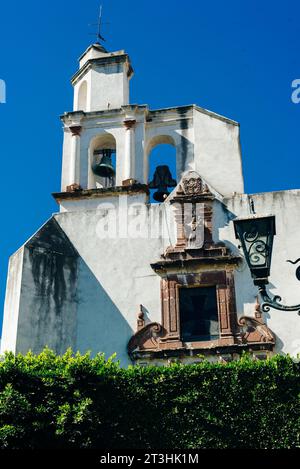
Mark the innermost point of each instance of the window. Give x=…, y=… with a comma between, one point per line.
x=198, y=314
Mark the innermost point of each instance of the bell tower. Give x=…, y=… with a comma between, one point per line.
x=102, y=81
x=108, y=140
x=101, y=93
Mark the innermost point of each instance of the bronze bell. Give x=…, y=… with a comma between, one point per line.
x=104, y=168
x=162, y=179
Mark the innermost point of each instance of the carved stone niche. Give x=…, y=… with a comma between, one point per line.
x=194, y=247
x=193, y=212
x=208, y=265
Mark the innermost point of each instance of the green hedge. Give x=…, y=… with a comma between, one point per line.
x=48, y=401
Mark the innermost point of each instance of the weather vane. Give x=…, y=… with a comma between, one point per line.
x=99, y=26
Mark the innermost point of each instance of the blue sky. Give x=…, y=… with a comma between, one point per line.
x=236, y=58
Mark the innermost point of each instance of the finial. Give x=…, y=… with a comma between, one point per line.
x=99, y=25
x=99, y=36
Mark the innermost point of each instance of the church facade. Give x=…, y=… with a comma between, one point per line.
x=114, y=272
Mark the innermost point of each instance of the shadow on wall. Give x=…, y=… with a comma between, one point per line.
x=101, y=327
x=48, y=292
x=62, y=304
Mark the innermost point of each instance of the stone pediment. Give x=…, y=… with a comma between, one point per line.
x=191, y=187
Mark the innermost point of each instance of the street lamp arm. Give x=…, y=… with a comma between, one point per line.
x=256, y=237
x=268, y=302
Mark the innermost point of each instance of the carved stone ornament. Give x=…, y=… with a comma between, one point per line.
x=254, y=329
x=193, y=186
x=146, y=338
x=75, y=130
x=193, y=204
x=154, y=339
x=74, y=188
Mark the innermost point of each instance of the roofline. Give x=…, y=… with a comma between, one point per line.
x=102, y=112
x=198, y=108
x=122, y=58
x=89, y=48
x=153, y=111
x=216, y=115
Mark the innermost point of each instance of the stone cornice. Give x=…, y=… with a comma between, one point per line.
x=100, y=193
x=188, y=352
x=138, y=110
x=161, y=116
x=187, y=111
x=101, y=61
x=163, y=267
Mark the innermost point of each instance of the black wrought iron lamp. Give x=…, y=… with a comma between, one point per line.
x=256, y=237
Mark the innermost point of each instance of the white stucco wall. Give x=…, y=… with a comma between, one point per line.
x=109, y=89
x=217, y=150
x=12, y=302
x=114, y=275
x=285, y=205
x=106, y=75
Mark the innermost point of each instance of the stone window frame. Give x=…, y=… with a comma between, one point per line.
x=223, y=280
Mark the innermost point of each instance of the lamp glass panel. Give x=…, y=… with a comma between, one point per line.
x=257, y=249
x=256, y=236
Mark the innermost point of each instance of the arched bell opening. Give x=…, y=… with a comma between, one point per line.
x=82, y=97
x=161, y=168
x=102, y=162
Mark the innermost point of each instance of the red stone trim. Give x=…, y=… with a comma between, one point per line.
x=129, y=182
x=223, y=282
x=75, y=130
x=254, y=330
x=73, y=188
x=146, y=338
x=157, y=341
x=129, y=123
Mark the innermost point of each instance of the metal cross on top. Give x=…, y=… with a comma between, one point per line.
x=99, y=25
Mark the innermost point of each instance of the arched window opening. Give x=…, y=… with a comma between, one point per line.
x=82, y=97
x=103, y=162
x=162, y=172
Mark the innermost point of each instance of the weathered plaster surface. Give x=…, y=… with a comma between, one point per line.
x=47, y=291
x=12, y=302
